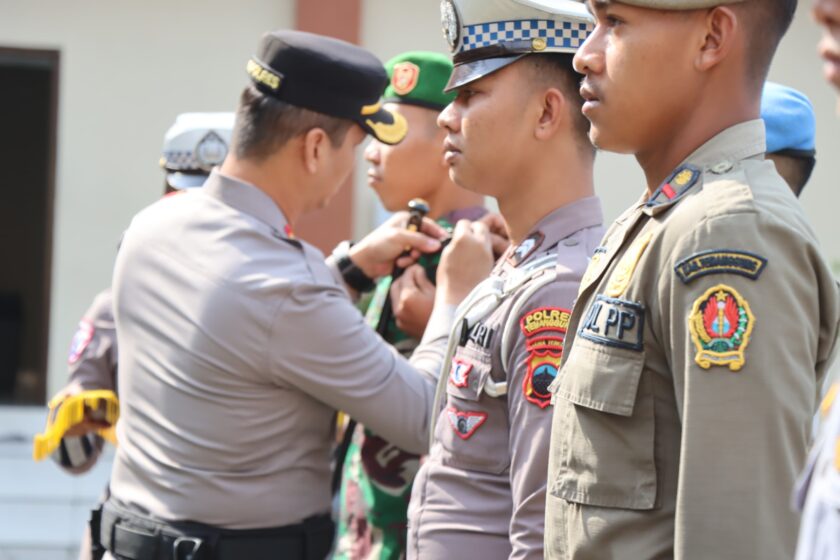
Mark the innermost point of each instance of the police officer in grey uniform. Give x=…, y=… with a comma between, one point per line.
x=514, y=132
x=191, y=147
x=707, y=319
x=238, y=342
x=817, y=493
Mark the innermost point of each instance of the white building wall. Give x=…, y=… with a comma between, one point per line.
x=127, y=68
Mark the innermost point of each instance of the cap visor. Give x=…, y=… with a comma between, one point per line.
x=467, y=72
x=385, y=126
x=185, y=180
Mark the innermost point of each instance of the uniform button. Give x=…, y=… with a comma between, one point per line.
x=571, y=242
x=722, y=167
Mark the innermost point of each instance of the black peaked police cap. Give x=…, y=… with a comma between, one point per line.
x=326, y=75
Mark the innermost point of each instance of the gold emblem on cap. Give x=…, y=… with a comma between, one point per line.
x=405, y=77
x=538, y=43
x=389, y=133
x=371, y=109
x=263, y=76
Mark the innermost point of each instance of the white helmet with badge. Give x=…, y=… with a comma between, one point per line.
x=487, y=35
x=195, y=144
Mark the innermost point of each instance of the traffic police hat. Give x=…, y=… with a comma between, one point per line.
x=195, y=144
x=487, y=35
x=326, y=75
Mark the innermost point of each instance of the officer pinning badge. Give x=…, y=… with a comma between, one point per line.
x=614, y=322
x=459, y=373
x=544, y=352
x=527, y=248
x=465, y=423
x=720, y=261
x=720, y=325
x=80, y=341
x=676, y=186
x=405, y=77
x=623, y=272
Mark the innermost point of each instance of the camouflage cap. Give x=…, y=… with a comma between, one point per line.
x=418, y=78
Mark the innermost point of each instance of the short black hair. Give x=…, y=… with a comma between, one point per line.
x=557, y=70
x=766, y=22
x=794, y=167
x=264, y=124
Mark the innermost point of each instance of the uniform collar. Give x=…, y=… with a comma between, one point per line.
x=741, y=141
x=556, y=226
x=247, y=198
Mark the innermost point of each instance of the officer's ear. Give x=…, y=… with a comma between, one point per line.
x=720, y=34
x=554, y=114
x=315, y=148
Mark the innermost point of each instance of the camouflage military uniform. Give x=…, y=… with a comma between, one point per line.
x=378, y=476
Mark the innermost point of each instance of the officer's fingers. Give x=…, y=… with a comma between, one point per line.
x=433, y=229
x=415, y=240
x=421, y=280
x=496, y=224
x=500, y=244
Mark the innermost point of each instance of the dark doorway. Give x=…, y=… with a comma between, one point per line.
x=28, y=117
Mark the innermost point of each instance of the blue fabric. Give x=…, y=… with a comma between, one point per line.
x=789, y=119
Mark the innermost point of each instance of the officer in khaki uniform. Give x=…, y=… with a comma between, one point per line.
x=707, y=317
x=817, y=493
x=238, y=342
x=481, y=492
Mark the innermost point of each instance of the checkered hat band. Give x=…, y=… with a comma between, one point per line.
x=557, y=34
x=181, y=161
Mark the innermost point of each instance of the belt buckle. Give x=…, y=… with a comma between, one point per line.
x=187, y=548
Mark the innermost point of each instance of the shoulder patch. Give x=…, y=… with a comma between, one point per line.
x=545, y=319
x=81, y=340
x=623, y=273
x=676, y=186
x=465, y=423
x=720, y=261
x=720, y=324
x=544, y=352
x=527, y=248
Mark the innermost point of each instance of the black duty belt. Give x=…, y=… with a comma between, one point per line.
x=130, y=536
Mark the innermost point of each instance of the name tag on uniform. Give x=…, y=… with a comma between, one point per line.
x=614, y=322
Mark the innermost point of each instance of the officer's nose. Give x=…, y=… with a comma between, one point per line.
x=589, y=59
x=372, y=154
x=449, y=118
x=826, y=12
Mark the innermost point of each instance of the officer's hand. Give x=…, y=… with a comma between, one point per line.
x=92, y=420
x=412, y=299
x=465, y=262
x=499, y=236
x=380, y=249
